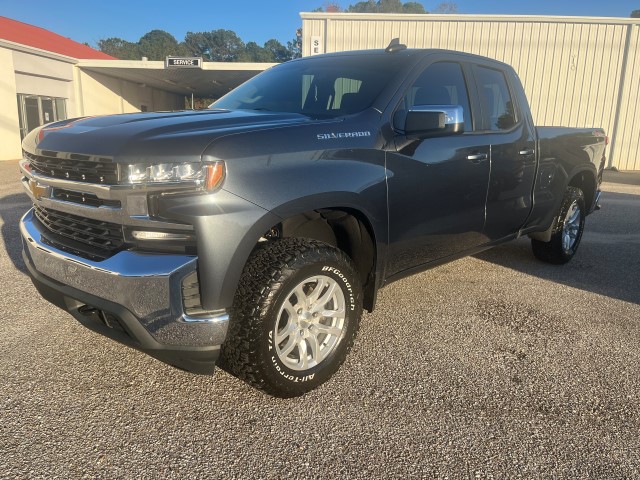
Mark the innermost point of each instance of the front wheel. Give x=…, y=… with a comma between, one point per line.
x=567, y=233
x=294, y=318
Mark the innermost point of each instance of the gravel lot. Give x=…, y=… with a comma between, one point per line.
x=493, y=366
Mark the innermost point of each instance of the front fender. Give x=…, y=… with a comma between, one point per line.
x=227, y=229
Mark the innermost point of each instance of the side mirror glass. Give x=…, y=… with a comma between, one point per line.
x=434, y=120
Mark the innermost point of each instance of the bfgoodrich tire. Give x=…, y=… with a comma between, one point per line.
x=567, y=232
x=294, y=318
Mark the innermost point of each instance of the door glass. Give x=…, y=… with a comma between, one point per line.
x=61, y=111
x=32, y=112
x=441, y=83
x=47, y=110
x=20, y=119
x=497, y=104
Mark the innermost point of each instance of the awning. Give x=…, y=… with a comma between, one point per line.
x=213, y=80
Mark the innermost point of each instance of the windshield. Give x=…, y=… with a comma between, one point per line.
x=317, y=87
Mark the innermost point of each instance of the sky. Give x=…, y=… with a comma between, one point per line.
x=253, y=20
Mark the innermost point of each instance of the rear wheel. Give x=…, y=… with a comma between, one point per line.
x=294, y=318
x=567, y=233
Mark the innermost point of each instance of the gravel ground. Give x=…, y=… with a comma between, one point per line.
x=493, y=366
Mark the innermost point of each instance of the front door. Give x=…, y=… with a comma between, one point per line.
x=437, y=187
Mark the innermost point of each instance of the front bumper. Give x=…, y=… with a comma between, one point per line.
x=131, y=297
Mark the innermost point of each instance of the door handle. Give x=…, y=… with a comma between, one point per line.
x=527, y=152
x=478, y=157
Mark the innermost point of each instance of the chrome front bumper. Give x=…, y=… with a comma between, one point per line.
x=139, y=289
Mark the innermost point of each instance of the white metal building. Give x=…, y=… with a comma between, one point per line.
x=577, y=71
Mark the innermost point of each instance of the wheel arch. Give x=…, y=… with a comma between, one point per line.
x=345, y=228
x=586, y=180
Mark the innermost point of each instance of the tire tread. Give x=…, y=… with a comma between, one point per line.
x=260, y=280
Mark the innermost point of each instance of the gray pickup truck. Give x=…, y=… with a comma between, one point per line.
x=252, y=234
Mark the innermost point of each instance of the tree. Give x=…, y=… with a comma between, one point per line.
x=278, y=51
x=155, y=45
x=119, y=48
x=215, y=46
x=446, y=7
x=294, y=47
x=386, y=6
x=158, y=44
x=413, y=7
x=635, y=14
x=330, y=7
x=255, y=53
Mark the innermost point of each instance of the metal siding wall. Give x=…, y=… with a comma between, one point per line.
x=571, y=69
x=627, y=147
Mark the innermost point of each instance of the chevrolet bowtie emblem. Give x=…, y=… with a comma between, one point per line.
x=37, y=189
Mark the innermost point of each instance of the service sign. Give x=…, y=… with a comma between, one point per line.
x=183, y=62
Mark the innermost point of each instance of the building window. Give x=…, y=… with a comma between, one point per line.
x=35, y=110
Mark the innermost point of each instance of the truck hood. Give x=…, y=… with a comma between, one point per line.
x=152, y=137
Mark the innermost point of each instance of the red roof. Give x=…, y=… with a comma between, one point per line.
x=37, y=37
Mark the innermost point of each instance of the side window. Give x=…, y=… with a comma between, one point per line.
x=441, y=83
x=497, y=104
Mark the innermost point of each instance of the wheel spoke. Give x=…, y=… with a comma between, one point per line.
x=291, y=344
x=290, y=326
x=574, y=216
x=303, y=300
x=285, y=332
x=302, y=350
x=333, y=313
x=324, y=299
x=315, y=349
x=317, y=291
x=328, y=329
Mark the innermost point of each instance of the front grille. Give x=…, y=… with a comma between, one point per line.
x=106, y=237
x=77, y=168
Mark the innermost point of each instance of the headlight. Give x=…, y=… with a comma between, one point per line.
x=209, y=175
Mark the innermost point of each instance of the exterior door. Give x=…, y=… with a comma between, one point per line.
x=437, y=187
x=35, y=110
x=513, y=159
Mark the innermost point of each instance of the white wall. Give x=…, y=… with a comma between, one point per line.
x=9, y=124
x=104, y=95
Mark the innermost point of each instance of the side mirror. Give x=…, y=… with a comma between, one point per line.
x=434, y=120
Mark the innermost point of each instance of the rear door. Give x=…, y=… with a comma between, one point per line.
x=437, y=187
x=513, y=161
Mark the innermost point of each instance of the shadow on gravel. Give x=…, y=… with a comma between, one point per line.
x=12, y=208
x=608, y=261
